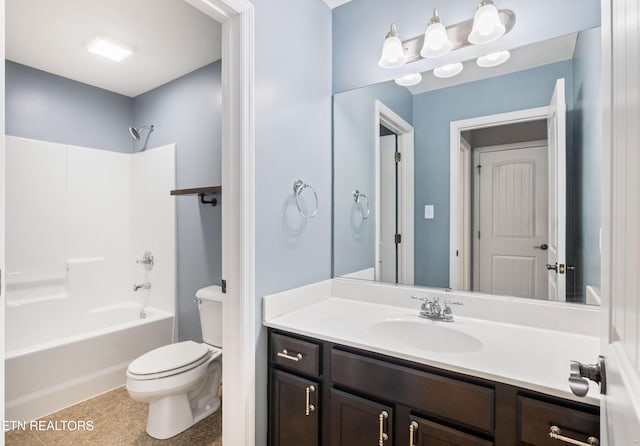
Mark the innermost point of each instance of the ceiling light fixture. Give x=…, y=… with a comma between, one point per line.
x=436, y=39
x=392, y=51
x=487, y=26
x=449, y=70
x=493, y=59
x=409, y=80
x=108, y=49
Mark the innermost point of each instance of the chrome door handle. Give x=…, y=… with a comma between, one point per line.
x=308, y=406
x=413, y=427
x=556, y=434
x=383, y=436
x=544, y=247
x=552, y=267
x=579, y=372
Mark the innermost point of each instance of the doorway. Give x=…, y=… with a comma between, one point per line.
x=509, y=213
x=394, y=203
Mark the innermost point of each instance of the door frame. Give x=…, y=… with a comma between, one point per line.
x=238, y=219
x=458, y=263
x=394, y=122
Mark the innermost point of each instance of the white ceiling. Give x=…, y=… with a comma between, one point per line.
x=335, y=3
x=170, y=38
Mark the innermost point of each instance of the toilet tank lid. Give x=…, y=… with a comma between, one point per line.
x=212, y=292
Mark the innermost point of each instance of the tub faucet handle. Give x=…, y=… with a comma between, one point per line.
x=147, y=260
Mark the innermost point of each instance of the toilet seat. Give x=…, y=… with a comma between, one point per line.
x=171, y=360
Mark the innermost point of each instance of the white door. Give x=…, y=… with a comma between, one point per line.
x=511, y=208
x=620, y=407
x=556, y=258
x=388, y=253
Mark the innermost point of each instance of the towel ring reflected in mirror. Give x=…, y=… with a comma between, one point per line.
x=298, y=187
x=358, y=197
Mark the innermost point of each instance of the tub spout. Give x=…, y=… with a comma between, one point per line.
x=144, y=286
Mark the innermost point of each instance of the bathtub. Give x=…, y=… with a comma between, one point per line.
x=54, y=362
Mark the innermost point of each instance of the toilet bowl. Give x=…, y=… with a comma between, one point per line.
x=181, y=381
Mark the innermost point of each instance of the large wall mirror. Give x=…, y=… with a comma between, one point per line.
x=462, y=183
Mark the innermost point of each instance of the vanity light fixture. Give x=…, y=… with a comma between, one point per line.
x=487, y=26
x=392, y=50
x=108, y=49
x=436, y=39
x=409, y=80
x=449, y=70
x=493, y=59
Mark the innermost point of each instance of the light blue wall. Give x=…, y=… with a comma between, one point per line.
x=587, y=149
x=360, y=26
x=40, y=105
x=187, y=111
x=354, y=165
x=432, y=114
x=293, y=139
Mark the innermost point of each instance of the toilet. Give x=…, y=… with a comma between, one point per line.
x=181, y=381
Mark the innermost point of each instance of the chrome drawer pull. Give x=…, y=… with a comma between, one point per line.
x=285, y=354
x=309, y=407
x=413, y=427
x=556, y=434
x=383, y=436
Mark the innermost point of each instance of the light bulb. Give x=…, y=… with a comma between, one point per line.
x=487, y=25
x=436, y=39
x=493, y=59
x=449, y=70
x=409, y=80
x=392, y=51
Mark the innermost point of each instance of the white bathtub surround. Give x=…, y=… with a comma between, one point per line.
x=520, y=342
x=71, y=275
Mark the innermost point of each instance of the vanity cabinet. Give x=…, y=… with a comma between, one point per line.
x=294, y=412
x=364, y=398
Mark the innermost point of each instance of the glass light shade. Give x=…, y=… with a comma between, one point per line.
x=409, y=80
x=450, y=70
x=487, y=26
x=493, y=59
x=436, y=41
x=392, y=51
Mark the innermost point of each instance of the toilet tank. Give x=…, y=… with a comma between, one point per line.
x=210, y=309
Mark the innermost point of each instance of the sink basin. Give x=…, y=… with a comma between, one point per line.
x=425, y=335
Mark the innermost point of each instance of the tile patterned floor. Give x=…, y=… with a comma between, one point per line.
x=117, y=421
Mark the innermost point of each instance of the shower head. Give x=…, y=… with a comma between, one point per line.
x=135, y=132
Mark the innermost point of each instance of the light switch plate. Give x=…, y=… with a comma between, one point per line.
x=428, y=211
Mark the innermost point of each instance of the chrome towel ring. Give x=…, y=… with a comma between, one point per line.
x=298, y=187
x=358, y=197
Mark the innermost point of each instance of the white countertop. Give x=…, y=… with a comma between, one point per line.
x=528, y=357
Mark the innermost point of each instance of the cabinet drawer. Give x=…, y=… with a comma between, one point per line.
x=461, y=402
x=295, y=354
x=535, y=419
x=428, y=433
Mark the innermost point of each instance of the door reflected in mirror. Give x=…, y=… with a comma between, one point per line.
x=487, y=185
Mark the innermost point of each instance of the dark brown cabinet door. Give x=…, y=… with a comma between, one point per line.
x=428, y=433
x=294, y=410
x=358, y=421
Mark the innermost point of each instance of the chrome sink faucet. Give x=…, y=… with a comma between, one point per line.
x=431, y=309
